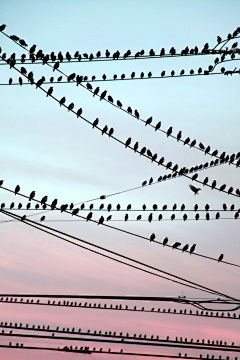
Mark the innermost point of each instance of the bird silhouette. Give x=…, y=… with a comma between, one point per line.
x=70, y=106
x=144, y=207
x=139, y=217
x=79, y=112
x=62, y=101
x=207, y=216
x=119, y=103
x=157, y=127
x=186, y=141
x=174, y=207
x=28, y=206
x=148, y=121
x=230, y=190
x=176, y=245
x=169, y=131
x=185, y=248
x=23, y=42
x=193, y=143
x=118, y=207
x=109, y=218
x=185, y=217
x=36, y=206
x=217, y=215
x=96, y=91
x=68, y=56
x=195, y=207
x=126, y=217
x=104, y=130
x=173, y=217
x=136, y=114
x=20, y=80
x=104, y=77
x=101, y=220
x=194, y=189
x=109, y=207
x=50, y=91
x=42, y=218
x=12, y=205
x=150, y=217
x=165, y=241
x=59, y=79
x=144, y=183
x=128, y=142
x=214, y=183
x=220, y=258
x=75, y=211
x=23, y=217
x=107, y=53
x=17, y=189
x=183, y=207
x=152, y=237
x=95, y=123
x=164, y=207
x=192, y=249
x=82, y=206
x=103, y=94
x=101, y=206
x=179, y=135
x=44, y=200
x=143, y=150
x=129, y=110
x=149, y=153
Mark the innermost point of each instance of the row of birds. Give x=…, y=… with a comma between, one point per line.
x=118, y=307
x=116, y=55
x=223, y=157
x=114, y=333
x=118, y=207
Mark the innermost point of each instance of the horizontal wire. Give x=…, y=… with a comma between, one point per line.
x=187, y=283
x=128, y=342
x=121, y=230
x=111, y=334
x=217, y=314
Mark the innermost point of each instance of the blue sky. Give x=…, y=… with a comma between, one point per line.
x=45, y=148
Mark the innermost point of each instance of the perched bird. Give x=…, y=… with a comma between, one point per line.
x=207, y=216
x=23, y=217
x=149, y=153
x=136, y=114
x=148, y=121
x=135, y=146
x=129, y=207
x=103, y=94
x=194, y=189
x=152, y=237
x=139, y=217
x=192, y=249
x=193, y=143
x=172, y=216
x=70, y=106
x=144, y=207
x=186, y=141
x=104, y=130
x=10, y=81
x=20, y=80
x=195, y=207
x=95, y=122
x=217, y=215
x=126, y=217
x=101, y=220
x=60, y=78
x=12, y=205
x=185, y=217
x=165, y=241
x=75, y=211
x=214, y=183
x=220, y=258
x=164, y=207
x=150, y=217
x=109, y=207
x=111, y=131
x=176, y=245
x=194, y=177
x=129, y=110
x=101, y=206
x=17, y=189
x=32, y=195
x=109, y=218
x=169, y=131
x=82, y=206
x=62, y=101
x=23, y=42
x=2, y=27
x=155, y=207
x=50, y=91
x=143, y=150
x=174, y=207
x=28, y=206
x=183, y=207
x=118, y=207
x=44, y=200
x=160, y=217
x=54, y=204
x=179, y=135
x=128, y=142
x=185, y=248
x=36, y=206
x=154, y=157
x=42, y=218
x=157, y=127
x=96, y=91
x=119, y=103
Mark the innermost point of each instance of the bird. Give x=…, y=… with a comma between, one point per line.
x=109, y=218
x=28, y=206
x=17, y=189
x=20, y=80
x=23, y=42
x=217, y=215
x=118, y=207
x=135, y=146
x=193, y=143
x=70, y=106
x=32, y=195
x=195, y=207
x=169, y=131
x=95, y=122
x=154, y=157
x=155, y=207
x=54, y=204
x=75, y=211
x=103, y=94
x=183, y=207
x=192, y=249
x=194, y=177
x=185, y=248
x=96, y=91
x=214, y=183
x=111, y=131
x=164, y=207
x=42, y=218
x=10, y=81
x=172, y=216
x=194, y=189
x=36, y=206
x=149, y=153
x=176, y=245
x=185, y=217
x=186, y=141
x=220, y=258
x=50, y=91
x=109, y=207
x=104, y=130
x=148, y=121
x=110, y=99
x=165, y=241
x=101, y=220
x=174, y=207
x=139, y=217
x=152, y=237
x=143, y=150
x=128, y=142
x=119, y=103
x=2, y=27
x=136, y=114
x=207, y=216
x=150, y=217
x=179, y=135
x=23, y=217
x=129, y=207
x=12, y=205
x=144, y=207
x=82, y=206
x=62, y=101
x=126, y=217
x=60, y=78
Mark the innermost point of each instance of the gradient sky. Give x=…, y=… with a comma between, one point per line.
x=45, y=148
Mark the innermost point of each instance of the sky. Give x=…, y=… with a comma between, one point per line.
x=45, y=148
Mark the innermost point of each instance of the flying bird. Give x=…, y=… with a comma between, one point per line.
x=194, y=189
